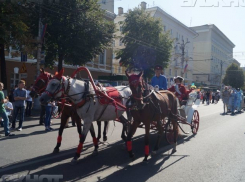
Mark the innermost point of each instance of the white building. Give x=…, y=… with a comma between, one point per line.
x=178, y=31
x=213, y=50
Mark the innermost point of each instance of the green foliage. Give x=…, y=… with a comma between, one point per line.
x=234, y=76
x=145, y=43
x=15, y=25
x=77, y=31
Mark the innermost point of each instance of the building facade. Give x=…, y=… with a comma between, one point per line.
x=213, y=53
x=178, y=31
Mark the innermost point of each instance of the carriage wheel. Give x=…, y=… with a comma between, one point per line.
x=195, y=122
x=169, y=133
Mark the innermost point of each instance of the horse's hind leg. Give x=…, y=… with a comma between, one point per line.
x=147, y=133
x=63, y=120
x=106, y=123
x=159, y=136
x=95, y=141
x=176, y=133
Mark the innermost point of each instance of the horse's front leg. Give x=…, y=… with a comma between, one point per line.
x=129, y=138
x=159, y=136
x=106, y=123
x=86, y=127
x=95, y=141
x=147, y=133
x=64, y=119
x=99, y=130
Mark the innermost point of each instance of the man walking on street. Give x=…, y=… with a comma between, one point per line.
x=20, y=95
x=3, y=113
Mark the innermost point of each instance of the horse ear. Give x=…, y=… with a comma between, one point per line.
x=60, y=74
x=141, y=74
x=126, y=73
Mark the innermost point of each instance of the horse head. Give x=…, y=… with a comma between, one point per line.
x=54, y=89
x=40, y=83
x=136, y=85
x=192, y=96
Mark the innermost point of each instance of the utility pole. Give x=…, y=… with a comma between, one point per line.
x=221, y=73
x=182, y=47
x=39, y=39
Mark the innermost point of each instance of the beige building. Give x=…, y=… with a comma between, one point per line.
x=178, y=31
x=213, y=51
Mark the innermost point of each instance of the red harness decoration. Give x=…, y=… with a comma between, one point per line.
x=112, y=93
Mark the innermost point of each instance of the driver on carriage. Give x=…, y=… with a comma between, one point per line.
x=179, y=89
x=159, y=79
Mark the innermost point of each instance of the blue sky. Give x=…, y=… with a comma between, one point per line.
x=229, y=19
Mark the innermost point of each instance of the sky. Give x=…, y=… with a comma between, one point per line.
x=227, y=16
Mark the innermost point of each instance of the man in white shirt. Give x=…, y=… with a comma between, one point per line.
x=28, y=102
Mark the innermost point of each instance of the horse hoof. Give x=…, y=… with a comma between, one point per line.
x=56, y=151
x=95, y=153
x=145, y=162
x=105, y=138
x=132, y=156
x=73, y=161
x=173, y=151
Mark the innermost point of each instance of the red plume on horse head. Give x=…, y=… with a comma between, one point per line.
x=60, y=74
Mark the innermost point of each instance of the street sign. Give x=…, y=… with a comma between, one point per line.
x=23, y=68
x=23, y=75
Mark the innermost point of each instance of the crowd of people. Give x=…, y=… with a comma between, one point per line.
x=210, y=97
x=18, y=105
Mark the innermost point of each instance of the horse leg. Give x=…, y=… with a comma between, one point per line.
x=64, y=119
x=106, y=123
x=124, y=123
x=159, y=136
x=176, y=132
x=129, y=138
x=147, y=133
x=86, y=127
x=99, y=130
x=95, y=141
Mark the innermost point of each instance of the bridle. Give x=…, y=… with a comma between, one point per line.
x=39, y=90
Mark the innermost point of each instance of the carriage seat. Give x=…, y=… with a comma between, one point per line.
x=112, y=93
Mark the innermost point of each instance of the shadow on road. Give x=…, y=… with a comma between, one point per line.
x=111, y=155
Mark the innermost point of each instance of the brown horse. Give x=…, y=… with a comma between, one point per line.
x=147, y=106
x=67, y=112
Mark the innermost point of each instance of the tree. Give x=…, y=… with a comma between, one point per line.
x=234, y=76
x=145, y=43
x=76, y=32
x=14, y=31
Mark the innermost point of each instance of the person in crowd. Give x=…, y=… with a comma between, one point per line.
x=28, y=102
x=49, y=110
x=213, y=97
x=159, y=79
x=20, y=95
x=179, y=89
x=8, y=107
x=203, y=97
x=207, y=97
x=216, y=97
x=233, y=100
x=3, y=113
x=239, y=100
x=225, y=99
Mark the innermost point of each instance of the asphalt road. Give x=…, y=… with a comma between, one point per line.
x=216, y=153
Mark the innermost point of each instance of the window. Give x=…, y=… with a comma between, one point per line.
x=182, y=37
x=171, y=32
x=120, y=43
x=170, y=72
x=164, y=28
x=14, y=79
x=121, y=29
x=113, y=43
x=102, y=58
x=177, y=35
x=119, y=69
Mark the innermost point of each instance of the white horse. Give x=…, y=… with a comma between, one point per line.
x=83, y=95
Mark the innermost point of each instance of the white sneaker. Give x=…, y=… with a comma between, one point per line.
x=19, y=129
